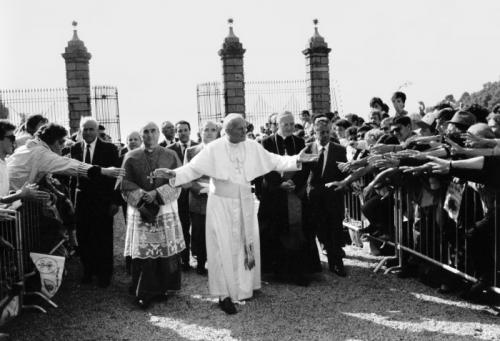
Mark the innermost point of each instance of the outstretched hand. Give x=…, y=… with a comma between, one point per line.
x=164, y=173
x=307, y=157
x=439, y=166
x=339, y=185
x=113, y=172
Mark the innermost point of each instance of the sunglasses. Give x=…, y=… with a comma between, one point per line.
x=12, y=138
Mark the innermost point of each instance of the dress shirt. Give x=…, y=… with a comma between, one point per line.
x=183, y=149
x=325, y=153
x=92, y=149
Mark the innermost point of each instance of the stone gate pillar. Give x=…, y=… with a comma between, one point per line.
x=231, y=55
x=77, y=59
x=318, y=73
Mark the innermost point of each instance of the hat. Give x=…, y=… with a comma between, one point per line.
x=463, y=118
x=427, y=121
x=445, y=114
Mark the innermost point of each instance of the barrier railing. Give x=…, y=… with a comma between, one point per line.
x=20, y=234
x=11, y=264
x=467, y=246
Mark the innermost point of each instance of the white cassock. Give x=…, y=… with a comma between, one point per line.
x=232, y=228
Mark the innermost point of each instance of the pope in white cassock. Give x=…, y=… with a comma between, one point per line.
x=232, y=231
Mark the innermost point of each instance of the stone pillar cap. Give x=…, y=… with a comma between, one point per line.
x=316, y=42
x=75, y=45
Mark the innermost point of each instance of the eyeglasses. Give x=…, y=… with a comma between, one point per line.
x=12, y=138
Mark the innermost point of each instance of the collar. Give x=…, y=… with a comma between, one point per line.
x=92, y=144
x=149, y=150
x=320, y=146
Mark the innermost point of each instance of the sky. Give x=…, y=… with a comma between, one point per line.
x=156, y=52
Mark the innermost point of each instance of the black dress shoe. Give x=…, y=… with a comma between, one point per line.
x=302, y=281
x=104, y=283
x=143, y=303
x=338, y=268
x=86, y=280
x=227, y=306
x=200, y=270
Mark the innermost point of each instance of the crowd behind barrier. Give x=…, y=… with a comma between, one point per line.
x=422, y=233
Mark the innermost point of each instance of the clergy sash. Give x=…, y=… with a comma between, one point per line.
x=228, y=189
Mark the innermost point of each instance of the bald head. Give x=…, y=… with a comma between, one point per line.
x=134, y=140
x=286, y=123
x=235, y=127
x=150, y=134
x=89, y=128
x=168, y=130
x=209, y=131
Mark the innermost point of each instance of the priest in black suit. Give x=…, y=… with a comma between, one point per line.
x=327, y=205
x=288, y=246
x=96, y=204
x=183, y=131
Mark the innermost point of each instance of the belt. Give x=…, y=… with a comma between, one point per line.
x=228, y=189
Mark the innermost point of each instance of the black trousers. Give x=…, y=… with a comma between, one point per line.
x=198, y=237
x=94, y=231
x=327, y=211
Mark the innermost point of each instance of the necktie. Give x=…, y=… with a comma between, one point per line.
x=321, y=161
x=87, y=155
x=184, y=146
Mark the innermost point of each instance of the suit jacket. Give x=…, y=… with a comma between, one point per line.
x=336, y=153
x=166, y=143
x=176, y=147
x=105, y=155
x=197, y=201
x=183, y=200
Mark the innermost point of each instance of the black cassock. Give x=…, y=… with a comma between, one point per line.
x=288, y=246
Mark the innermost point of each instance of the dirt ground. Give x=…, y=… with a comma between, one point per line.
x=363, y=306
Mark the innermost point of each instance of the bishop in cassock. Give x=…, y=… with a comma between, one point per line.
x=232, y=231
x=154, y=236
x=287, y=239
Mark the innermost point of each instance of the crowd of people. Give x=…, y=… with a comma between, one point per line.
x=242, y=203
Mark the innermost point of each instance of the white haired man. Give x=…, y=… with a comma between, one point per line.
x=232, y=231
x=96, y=203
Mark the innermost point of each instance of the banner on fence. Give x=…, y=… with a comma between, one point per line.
x=51, y=270
x=453, y=199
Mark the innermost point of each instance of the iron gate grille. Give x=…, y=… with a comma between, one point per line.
x=18, y=104
x=262, y=98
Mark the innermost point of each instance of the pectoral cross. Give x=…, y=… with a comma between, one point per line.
x=151, y=178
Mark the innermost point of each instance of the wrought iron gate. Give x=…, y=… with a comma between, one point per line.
x=18, y=104
x=261, y=99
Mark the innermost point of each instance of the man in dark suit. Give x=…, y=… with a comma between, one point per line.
x=327, y=205
x=183, y=130
x=96, y=205
x=288, y=245
x=198, y=199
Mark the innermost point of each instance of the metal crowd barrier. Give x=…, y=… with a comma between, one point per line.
x=427, y=233
x=20, y=234
x=11, y=264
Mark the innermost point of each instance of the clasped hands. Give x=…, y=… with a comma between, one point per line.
x=149, y=196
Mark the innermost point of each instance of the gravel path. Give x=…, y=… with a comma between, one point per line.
x=363, y=306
